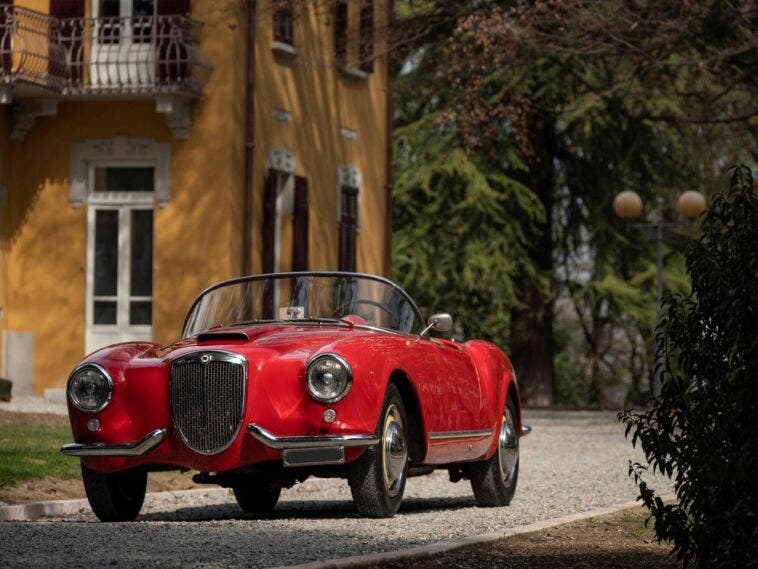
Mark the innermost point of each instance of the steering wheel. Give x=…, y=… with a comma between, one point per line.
x=342, y=308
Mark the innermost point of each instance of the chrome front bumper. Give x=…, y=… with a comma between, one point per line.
x=317, y=450
x=139, y=448
x=317, y=441
x=260, y=434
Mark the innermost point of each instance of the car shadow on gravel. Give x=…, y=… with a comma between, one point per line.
x=304, y=509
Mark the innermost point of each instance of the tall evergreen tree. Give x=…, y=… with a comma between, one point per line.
x=566, y=102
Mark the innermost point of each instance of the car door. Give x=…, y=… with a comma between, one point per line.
x=457, y=430
x=460, y=388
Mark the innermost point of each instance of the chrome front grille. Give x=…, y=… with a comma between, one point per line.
x=208, y=399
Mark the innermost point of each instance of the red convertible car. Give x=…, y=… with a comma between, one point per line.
x=284, y=376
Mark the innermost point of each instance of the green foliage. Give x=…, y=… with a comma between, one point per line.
x=702, y=429
x=32, y=451
x=462, y=229
x=517, y=124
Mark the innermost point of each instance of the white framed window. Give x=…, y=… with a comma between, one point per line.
x=120, y=243
x=123, y=46
x=121, y=180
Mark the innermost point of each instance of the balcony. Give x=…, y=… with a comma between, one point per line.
x=44, y=59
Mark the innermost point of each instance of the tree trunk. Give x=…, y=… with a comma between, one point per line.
x=532, y=342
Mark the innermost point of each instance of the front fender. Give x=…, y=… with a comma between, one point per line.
x=139, y=401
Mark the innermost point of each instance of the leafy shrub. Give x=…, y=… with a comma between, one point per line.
x=702, y=431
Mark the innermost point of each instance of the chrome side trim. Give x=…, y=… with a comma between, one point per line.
x=280, y=443
x=452, y=435
x=525, y=430
x=139, y=448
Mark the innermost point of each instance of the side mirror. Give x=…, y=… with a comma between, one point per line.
x=441, y=322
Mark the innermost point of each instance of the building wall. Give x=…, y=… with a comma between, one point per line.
x=4, y=218
x=196, y=236
x=322, y=100
x=199, y=235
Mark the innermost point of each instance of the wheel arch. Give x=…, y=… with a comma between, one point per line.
x=513, y=393
x=416, y=438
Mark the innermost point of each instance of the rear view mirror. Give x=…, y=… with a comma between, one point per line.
x=441, y=322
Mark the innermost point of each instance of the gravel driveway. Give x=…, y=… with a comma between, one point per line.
x=572, y=462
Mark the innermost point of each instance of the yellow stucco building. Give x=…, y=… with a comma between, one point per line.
x=149, y=148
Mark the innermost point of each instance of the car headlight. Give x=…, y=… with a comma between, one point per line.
x=328, y=378
x=90, y=388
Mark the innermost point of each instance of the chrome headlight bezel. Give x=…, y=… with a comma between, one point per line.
x=310, y=368
x=102, y=372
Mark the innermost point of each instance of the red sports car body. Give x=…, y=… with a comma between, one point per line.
x=280, y=377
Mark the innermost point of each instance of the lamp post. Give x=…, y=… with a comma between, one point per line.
x=628, y=205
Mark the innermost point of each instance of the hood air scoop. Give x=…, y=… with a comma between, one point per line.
x=222, y=336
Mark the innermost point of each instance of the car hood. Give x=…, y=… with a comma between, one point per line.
x=299, y=341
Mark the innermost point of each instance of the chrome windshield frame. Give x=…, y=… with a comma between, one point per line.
x=298, y=274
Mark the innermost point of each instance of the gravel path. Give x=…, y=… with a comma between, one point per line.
x=572, y=462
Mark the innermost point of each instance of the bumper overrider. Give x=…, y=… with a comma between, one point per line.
x=296, y=451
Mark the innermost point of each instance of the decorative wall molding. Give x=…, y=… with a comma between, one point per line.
x=282, y=160
x=176, y=113
x=348, y=133
x=348, y=175
x=284, y=48
x=26, y=112
x=111, y=151
x=282, y=116
x=354, y=73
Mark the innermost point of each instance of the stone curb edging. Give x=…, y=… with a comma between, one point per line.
x=431, y=549
x=54, y=508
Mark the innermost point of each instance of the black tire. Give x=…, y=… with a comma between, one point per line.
x=492, y=486
x=387, y=460
x=256, y=497
x=117, y=496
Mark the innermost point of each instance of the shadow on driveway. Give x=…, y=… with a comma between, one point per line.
x=302, y=509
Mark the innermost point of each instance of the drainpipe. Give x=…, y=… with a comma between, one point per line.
x=247, y=238
x=389, y=122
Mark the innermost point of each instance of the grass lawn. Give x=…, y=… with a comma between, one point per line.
x=31, y=451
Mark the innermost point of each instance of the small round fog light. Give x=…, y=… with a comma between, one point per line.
x=93, y=425
x=330, y=415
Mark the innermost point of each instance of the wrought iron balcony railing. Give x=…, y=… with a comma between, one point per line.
x=148, y=55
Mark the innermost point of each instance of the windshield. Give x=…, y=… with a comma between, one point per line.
x=286, y=297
